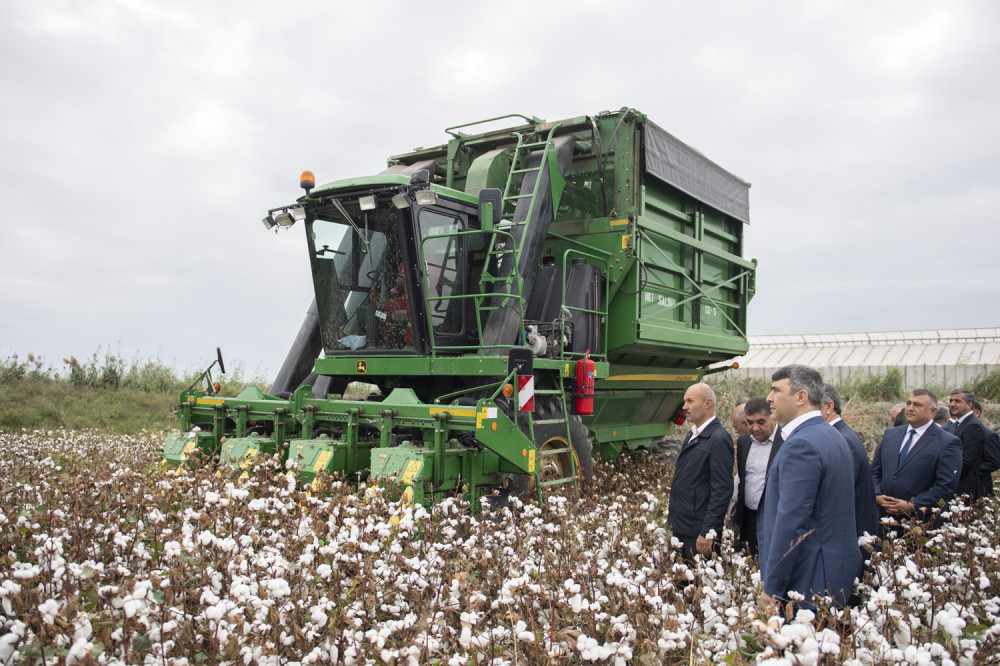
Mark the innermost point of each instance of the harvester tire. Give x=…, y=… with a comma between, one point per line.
x=553, y=436
x=666, y=450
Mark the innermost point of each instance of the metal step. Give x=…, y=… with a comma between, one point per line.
x=552, y=452
x=555, y=482
x=548, y=421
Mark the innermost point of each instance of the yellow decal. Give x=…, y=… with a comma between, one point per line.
x=210, y=401
x=531, y=460
x=479, y=418
x=618, y=223
x=567, y=370
x=250, y=453
x=412, y=469
x=189, y=447
x=454, y=411
x=654, y=378
x=322, y=460
x=625, y=241
x=361, y=367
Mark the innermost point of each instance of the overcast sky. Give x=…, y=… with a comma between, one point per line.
x=141, y=145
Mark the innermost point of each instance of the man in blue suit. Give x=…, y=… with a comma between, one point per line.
x=865, y=509
x=703, y=477
x=806, y=532
x=916, y=467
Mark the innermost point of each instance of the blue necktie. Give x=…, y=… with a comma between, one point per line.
x=906, y=447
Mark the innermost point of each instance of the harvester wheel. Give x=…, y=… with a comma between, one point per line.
x=666, y=449
x=552, y=436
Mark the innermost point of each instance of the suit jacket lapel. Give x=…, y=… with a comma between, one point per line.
x=775, y=445
x=919, y=444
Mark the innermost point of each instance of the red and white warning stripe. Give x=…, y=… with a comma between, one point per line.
x=526, y=393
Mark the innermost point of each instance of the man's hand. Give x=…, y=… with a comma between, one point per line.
x=894, y=506
x=704, y=546
x=770, y=605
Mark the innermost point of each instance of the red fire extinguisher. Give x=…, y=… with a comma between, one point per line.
x=585, y=385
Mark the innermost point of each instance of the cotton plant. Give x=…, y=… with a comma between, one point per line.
x=105, y=557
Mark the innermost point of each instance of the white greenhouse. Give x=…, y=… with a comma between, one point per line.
x=948, y=357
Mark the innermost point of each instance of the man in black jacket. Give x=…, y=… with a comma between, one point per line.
x=754, y=453
x=703, y=477
x=971, y=433
x=991, y=455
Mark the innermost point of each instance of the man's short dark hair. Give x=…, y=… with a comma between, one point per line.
x=802, y=378
x=929, y=394
x=941, y=414
x=977, y=406
x=757, y=405
x=830, y=394
x=965, y=393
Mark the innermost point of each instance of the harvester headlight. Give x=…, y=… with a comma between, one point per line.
x=367, y=203
x=269, y=222
x=400, y=201
x=426, y=198
x=284, y=219
x=298, y=213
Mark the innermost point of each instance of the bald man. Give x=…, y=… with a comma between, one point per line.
x=703, y=477
x=739, y=419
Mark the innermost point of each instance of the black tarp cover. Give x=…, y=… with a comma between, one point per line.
x=680, y=165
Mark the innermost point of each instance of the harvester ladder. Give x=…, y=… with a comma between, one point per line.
x=561, y=418
x=500, y=249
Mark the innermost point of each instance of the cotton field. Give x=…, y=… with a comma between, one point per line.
x=107, y=558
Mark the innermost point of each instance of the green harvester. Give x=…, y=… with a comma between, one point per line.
x=526, y=299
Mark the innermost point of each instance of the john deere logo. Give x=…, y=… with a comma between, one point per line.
x=361, y=367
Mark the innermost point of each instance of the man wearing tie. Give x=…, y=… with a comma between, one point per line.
x=703, y=477
x=916, y=467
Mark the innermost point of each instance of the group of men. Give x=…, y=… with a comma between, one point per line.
x=805, y=491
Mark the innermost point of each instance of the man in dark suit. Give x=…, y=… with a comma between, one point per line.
x=754, y=453
x=916, y=467
x=703, y=477
x=865, y=509
x=991, y=454
x=807, y=537
x=970, y=432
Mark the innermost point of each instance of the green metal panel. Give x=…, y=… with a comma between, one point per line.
x=339, y=457
x=179, y=447
x=243, y=450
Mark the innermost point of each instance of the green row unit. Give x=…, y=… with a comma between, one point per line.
x=450, y=450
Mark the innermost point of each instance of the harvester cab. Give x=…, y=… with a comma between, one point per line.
x=488, y=286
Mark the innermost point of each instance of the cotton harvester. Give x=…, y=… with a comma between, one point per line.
x=526, y=299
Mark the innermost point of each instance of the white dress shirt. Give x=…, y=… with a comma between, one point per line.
x=756, y=469
x=790, y=427
x=697, y=430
